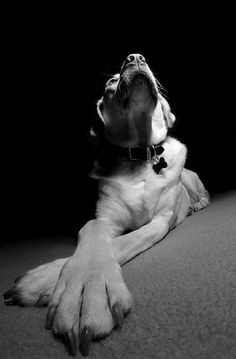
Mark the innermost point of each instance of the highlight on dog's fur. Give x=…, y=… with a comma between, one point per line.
x=144, y=192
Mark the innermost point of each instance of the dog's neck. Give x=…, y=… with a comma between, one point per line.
x=113, y=157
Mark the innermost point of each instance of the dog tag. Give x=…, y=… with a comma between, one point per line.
x=158, y=164
x=155, y=160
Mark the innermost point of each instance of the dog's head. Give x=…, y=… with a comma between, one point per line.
x=132, y=110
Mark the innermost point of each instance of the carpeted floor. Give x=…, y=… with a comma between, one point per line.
x=184, y=291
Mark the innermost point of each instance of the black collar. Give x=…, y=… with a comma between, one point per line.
x=112, y=155
x=149, y=154
x=144, y=153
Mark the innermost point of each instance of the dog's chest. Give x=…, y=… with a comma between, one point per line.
x=142, y=194
x=146, y=193
x=132, y=197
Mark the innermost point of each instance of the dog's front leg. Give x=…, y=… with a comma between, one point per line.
x=90, y=297
x=129, y=245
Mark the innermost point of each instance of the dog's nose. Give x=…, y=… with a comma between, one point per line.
x=134, y=59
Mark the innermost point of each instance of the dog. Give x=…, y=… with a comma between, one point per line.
x=144, y=192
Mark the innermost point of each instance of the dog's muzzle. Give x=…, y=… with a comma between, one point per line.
x=135, y=73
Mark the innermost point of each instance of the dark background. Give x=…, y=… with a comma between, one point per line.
x=55, y=68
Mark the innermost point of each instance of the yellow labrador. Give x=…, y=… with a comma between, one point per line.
x=145, y=191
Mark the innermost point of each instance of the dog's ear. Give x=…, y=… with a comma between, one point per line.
x=97, y=130
x=169, y=116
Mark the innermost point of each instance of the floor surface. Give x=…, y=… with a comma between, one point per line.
x=184, y=291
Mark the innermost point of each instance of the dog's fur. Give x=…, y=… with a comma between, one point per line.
x=137, y=207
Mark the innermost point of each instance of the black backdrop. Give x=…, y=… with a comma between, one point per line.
x=56, y=68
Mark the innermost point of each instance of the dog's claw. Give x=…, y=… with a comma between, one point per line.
x=117, y=314
x=13, y=301
x=50, y=316
x=9, y=293
x=85, y=340
x=42, y=301
x=11, y=297
x=18, y=278
x=71, y=342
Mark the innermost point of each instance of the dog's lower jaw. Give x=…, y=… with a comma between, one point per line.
x=147, y=125
x=140, y=131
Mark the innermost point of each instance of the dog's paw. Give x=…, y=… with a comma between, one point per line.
x=88, y=302
x=203, y=202
x=36, y=286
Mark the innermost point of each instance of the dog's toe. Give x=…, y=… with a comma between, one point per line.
x=105, y=304
x=9, y=293
x=13, y=297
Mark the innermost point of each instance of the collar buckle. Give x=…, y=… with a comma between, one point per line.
x=143, y=153
x=151, y=153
